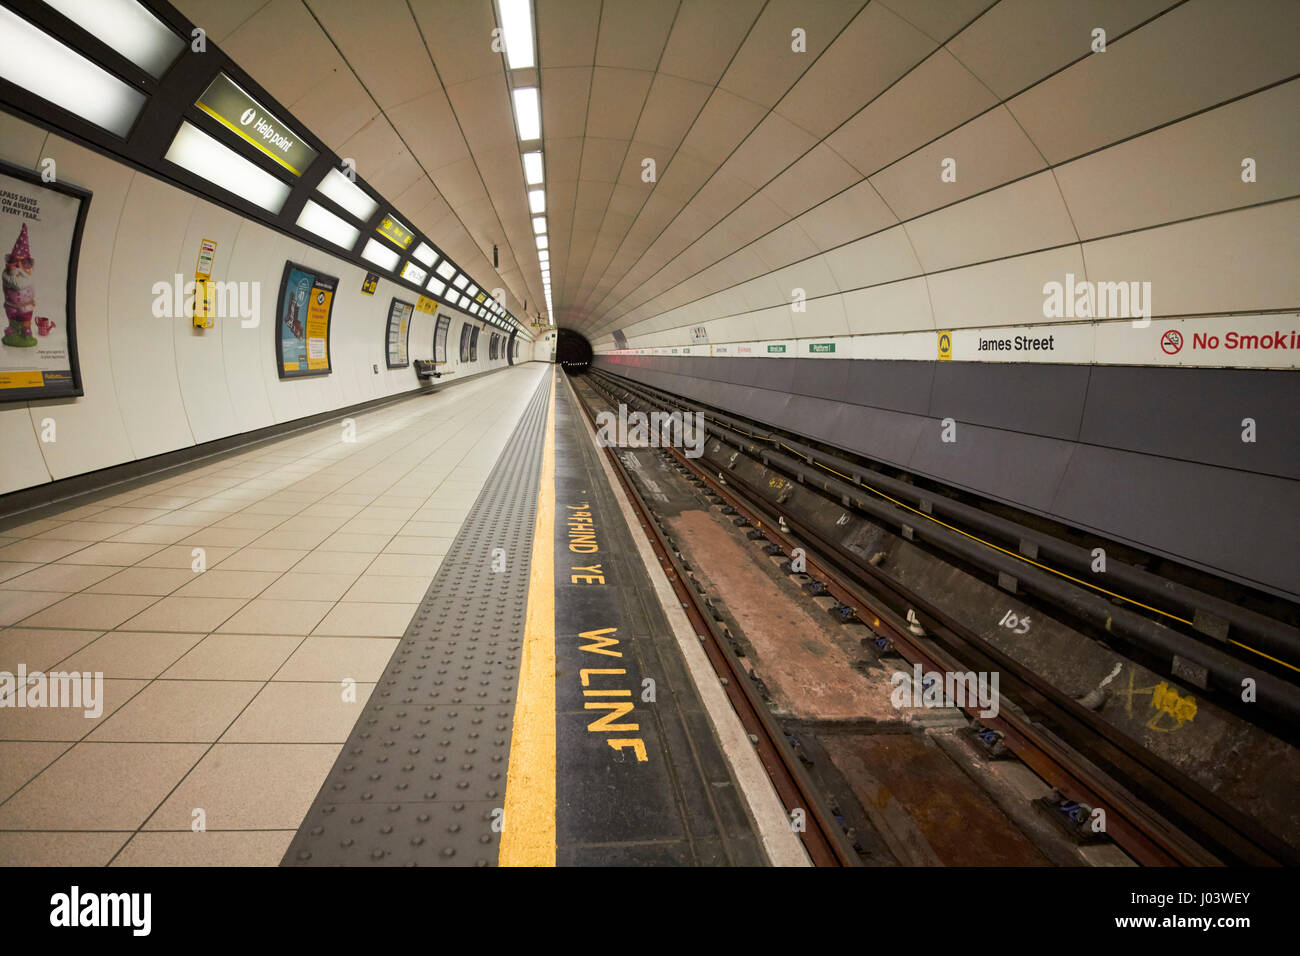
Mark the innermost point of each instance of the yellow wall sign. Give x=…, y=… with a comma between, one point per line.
x=945, y=346
x=203, y=268
x=205, y=291
x=426, y=305
x=390, y=228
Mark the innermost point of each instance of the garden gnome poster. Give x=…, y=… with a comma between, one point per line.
x=38, y=228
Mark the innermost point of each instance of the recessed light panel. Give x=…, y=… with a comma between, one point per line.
x=37, y=62
x=202, y=155
x=316, y=218
x=128, y=28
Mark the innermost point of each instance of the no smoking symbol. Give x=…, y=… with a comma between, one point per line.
x=1171, y=342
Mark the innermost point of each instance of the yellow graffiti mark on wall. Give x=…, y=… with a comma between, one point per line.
x=1168, y=701
x=1169, y=709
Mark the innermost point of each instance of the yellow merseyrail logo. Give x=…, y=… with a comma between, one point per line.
x=528, y=829
x=945, y=346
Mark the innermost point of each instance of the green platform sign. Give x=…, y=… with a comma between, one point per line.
x=821, y=347
x=776, y=348
x=227, y=103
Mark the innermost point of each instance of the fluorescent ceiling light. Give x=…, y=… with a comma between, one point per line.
x=318, y=219
x=464, y=301
x=378, y=253
x=37, y=62
x=517, y=31
x=544, y=255
x=537, y=200
x=128, y=28
x=202, y=155
x=461, y=281
x=473, y=289
x=539, y=225
x=533, y=168
x=528, y=114
x=446, y=269
x=542, y=242
x=424, y=252
x=347, y=194
x=413, y=273
x=436, y=286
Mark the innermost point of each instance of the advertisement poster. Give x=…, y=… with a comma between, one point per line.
x=40, y=236
x=440, y=338
x=302, y=333
x=399, y=330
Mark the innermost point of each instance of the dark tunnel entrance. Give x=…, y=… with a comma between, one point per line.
x=572, y=351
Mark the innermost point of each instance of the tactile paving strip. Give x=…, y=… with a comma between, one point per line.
x=423, y=775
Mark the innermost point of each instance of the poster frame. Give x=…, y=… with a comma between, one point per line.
x=388, y=333
x=279, y=318
x=84, y=196
x=442, y=321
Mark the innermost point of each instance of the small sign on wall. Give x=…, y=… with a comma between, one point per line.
x=207, y=253
x=205, y=293
x=370, y=283
x=945, y=346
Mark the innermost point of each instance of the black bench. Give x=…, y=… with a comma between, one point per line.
x=424, y=369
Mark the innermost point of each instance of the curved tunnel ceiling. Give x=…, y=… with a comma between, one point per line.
x=819, y=169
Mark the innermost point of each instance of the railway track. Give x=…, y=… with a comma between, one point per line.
x=1154, y=812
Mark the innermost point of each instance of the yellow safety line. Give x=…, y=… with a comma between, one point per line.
x=528, y=831
x=989, y=544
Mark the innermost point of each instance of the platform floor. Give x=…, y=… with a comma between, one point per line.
x=223, y=690
x=538, y=711
x=434, y=645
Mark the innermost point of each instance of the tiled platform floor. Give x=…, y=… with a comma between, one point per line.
x=225, y=690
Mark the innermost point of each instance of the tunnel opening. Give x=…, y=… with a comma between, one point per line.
x=572, y=351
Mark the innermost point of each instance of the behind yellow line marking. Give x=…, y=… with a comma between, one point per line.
x=528, y=837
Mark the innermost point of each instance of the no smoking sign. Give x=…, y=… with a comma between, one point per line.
x=1171, y=343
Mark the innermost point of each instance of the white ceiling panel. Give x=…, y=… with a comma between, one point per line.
x=988, y=151
x=1191, y=58
x=762, y=152
x=1189, y=169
